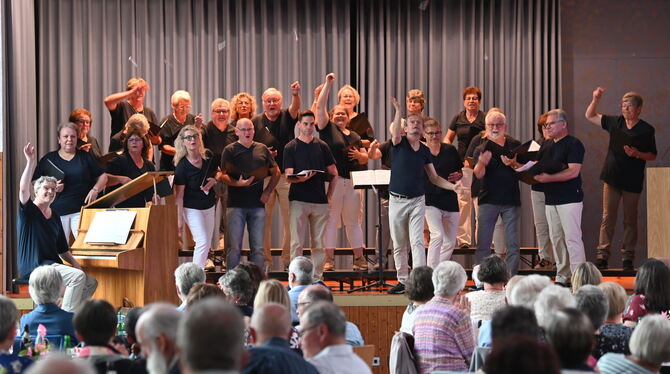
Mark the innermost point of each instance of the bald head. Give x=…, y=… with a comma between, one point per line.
x=270, y=320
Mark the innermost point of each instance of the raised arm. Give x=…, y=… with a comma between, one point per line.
x=373, y=152
x=395, y=128
x=114, y=99
x=591, y=114
x=294, y=108
x=26, y=177
x=322, y=102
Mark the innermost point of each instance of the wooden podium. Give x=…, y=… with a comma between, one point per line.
x=142, y=268
x=658, y=212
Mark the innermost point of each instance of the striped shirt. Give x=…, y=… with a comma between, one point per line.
x=616, y=363
x=443, y=338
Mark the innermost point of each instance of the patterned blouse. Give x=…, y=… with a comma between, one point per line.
x=484, y=303
x=636, y=309
x=613, y=338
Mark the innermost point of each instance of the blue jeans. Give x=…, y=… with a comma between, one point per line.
x=255, y=221
x=486, y=222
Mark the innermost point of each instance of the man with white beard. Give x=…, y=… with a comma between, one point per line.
x=156, y=332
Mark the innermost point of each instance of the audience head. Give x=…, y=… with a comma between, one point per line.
x=449, y=278
x=322, y=324
x=592, y=301
x=211, y=336
x=45, y=285
x=650, y=341
x=512, y=320
x=243, y=105
x=186, y=275
x=256, y=274
x=586, y=273
x=56, y=363
x=300, y=271
x=511, y=283
x=95, y=322
x=493, y=270
x=521, y=354
x=570, y=332
x=525, y=292
x=419, y=286
x=550, y=299
x=9, y=315
x=616, y=297
x=132, y=317
x=271, y=320
x=311, y=295
x=272, y=291
x=653, y=281
x=157, y=333
x=236, y=285
x=201, y=291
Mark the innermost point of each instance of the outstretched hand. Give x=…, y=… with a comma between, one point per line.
x=29, y=152
x=598, y=93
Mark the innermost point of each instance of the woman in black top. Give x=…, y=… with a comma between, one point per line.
x=193, y=179
x=83, y=119
x=348, y=98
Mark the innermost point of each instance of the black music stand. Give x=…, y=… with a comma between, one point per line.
x=373, y=185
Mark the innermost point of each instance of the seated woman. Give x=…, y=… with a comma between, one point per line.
x=272, y=291
x=613, y=336
x=419, y=290
x=652, y=291
x=493, y=273
x=570, y=332
x=586, y=273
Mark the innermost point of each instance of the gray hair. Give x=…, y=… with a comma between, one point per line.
x=303, y=268
x=45, y=285
x=593, y=302
x=186, y=275
x=650, y=341
x=179, y=95
x=559, y=113
x=41, y=181
x=271, y=91
x=202, y=331
x=67, y=125
x=494, y=113
x=159, y=318
x=58, y=363
x=218, y=101
x=526, y=290
x=551, y=299
x=449, y=278
x=328, y=313
x=8, y=315
x=237, y=282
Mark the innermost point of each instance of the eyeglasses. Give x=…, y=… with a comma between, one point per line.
x=221, y=111
x=190, y=137
x=304, y=331
x=471, y=98
x=433, y=133
x=272, y=101
x=246, y=129
x=495, y=124
x=83, y=121
x=549, y=124
x=627, y=104
x=305, y=303
x=183, y=106
x=131, y=140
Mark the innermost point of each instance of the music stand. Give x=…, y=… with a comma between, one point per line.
x=371, y=179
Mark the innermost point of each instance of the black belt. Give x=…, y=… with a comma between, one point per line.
x=400, y=196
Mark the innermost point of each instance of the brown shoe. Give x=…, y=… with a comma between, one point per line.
x=360, y=263
x=329, y=265
x=545, y=264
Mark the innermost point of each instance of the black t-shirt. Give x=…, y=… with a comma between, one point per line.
x=170, y=128
x=466, y=130
x=125, y=166
x=216, y=140
x=124, y=111
x=407, y=168
x=500, y=185
x=361, y=126
x=568, y=150
x=314, y=155
x=95, y=146
x=81, y=173
x=192, y=178
x=446, y=162
x=275, y=133
x=619, y=170
x=340, y=144
x=41, y=240
x=246, y=160
x=387, y=157
x=539, y=187
x=474, y=143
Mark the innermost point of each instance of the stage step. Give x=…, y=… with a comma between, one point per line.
x=528, y=251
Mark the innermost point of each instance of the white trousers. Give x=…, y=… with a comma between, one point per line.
x=70, y=223
x=541, y=226
x=565, y=230
x=465, y=206
x=442, y=226
x=201, y=224
x=78, y=286
x=406, y=223
x=345, y=206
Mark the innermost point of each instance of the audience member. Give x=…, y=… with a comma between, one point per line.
x=551, y=299
x=201, y=291
x=60, y=364
x=157, y=333
x=585, y=273
x=10, y=363
x=236, y=285
x=613, y=336
x=520, y=354
x=300, y=275
x=323, y=340
x=256, y=274
x=493, y=273
x=570, y=332
x=592, y=301
x=185, y=276
x=273, y=291
x=270, y=328
x=132, y=317
x=419, y=290
x=652, y=291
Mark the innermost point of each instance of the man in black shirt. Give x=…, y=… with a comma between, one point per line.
x=171, y=124
x=563, y=194
x=307, y=160
x=244, y=164
x=275, y=128
x=632, y=143
x=407, y=204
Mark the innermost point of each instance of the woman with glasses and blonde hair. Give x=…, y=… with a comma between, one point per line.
x=193, y=182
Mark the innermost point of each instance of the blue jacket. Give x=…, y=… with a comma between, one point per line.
x=56, y=320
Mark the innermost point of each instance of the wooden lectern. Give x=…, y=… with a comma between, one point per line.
x=142, y=268
x=658, y=212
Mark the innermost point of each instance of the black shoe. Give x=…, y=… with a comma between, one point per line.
x=397, y=289
x=601, y=264
x=628, y=265
x=563, y=284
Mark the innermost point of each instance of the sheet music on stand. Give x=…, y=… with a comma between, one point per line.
x=110, y=227
x=380, y=177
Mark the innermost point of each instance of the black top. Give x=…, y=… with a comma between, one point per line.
x=568, y=150
x=539, y=187
x=619, y=170
x=95, y=147
x=170, y=128
x=474, y=143
x=245, y=160
x=407, y=169
x=385, y=149
x=314, y=155
x=466, y=130
x=192, y=178
x=613, y=338
x=340, y=144
x=81, y=173
x=361, y=126
x=125, y=166
x=275, y=133
x=446, y=162
x=41, y=240
x=500, y=185
x=124, y=111
x=275, y=356
x=216, y=140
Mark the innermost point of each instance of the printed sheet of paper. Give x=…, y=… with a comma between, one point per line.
x=110, y=227
x=371, y=177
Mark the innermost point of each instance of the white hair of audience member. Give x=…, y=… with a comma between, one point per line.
x=45, y=285
x=303, y=268
x=551, y=299
x=475, y=278
x=57, y=363
x=211, y=336
x=9, y=315
x=593, y=302
x=328, y=313
x=526, y=290
x=449, y=278
x=650, y=341
x=179, y=95
x=159, y=318
x=186, y=275
x=511, y=283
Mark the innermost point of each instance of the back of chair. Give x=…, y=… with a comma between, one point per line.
x=365, y=352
